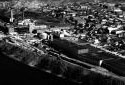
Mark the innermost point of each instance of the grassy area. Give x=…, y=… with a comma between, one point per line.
x=58, y=66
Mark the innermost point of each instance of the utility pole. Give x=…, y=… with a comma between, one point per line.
x=22, y=10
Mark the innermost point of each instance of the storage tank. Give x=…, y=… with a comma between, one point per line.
x=44, y=35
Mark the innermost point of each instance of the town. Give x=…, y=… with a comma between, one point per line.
x=67, y=39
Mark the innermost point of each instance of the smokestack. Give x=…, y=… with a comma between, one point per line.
x=11, y=19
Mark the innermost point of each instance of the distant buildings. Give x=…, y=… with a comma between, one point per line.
x=29, y=4
x=4, y=4
x=32, y=26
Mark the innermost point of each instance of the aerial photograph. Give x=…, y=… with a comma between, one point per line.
x=62, y=42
